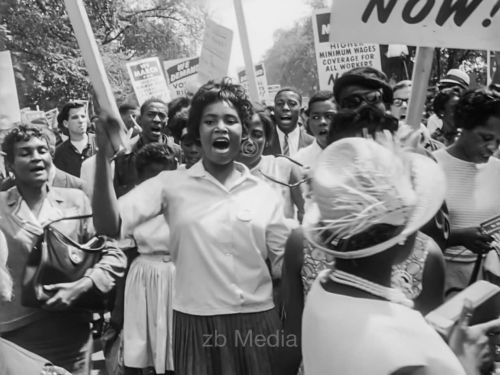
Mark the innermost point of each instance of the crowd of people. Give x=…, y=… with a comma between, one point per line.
x=244, y=239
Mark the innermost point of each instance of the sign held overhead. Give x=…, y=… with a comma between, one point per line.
x=333, y=59
x=432, y=23
x=215, y=52
x=147, y=80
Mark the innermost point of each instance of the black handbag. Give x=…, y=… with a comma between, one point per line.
x=56, y=258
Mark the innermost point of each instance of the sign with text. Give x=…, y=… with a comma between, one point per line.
x=215, y=52
x=272, y=91
x=260, y=76
x=147, y=80
x=333, y=59
x=9, y=110
x=433, y=23
x=178, y=72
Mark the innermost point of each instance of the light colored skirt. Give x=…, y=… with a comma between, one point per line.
x=148, y=322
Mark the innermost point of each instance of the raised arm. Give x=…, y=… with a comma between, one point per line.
x=104, y=201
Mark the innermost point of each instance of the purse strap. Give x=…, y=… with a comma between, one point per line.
x=78, y=217
x=84, y=247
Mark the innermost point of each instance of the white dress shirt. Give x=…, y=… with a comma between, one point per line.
x=220, y=237
x=293, y=140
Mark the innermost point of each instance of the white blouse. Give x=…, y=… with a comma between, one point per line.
x=220, y=237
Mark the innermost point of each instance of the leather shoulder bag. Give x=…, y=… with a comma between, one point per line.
x=56, y=258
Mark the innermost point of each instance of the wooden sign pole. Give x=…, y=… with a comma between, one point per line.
x=247, y=55
x=420, y=82
x=95, y=67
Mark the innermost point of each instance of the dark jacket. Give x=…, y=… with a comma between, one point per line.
x=274, y=148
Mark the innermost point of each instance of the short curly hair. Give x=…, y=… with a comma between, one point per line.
x=23, y=133
x=213, y=92
x=155, y=153
x=475, y=107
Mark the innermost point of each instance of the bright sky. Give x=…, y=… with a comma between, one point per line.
x=263, y=18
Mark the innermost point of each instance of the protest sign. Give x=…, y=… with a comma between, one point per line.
x=178, y=72
x=9, y=110
x=261, y=79
x=51, y=117
x=272, y=90
x=27, y=115
x=471, y=24
x=215, y=52
x=147, y=80
x=333, y=59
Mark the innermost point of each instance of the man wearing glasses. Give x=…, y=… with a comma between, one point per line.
x=361, y=87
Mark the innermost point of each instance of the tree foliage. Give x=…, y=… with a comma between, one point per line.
x=291, y=60
x=48, y=63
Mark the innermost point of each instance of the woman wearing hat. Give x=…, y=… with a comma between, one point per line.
x=224, y=225
x=371, y=200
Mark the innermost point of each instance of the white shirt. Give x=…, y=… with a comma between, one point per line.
x=87, y=174
x=293, y=140
x=353, y=336
x=280, y=169
x=81, y=144
x=471, y=196
x=308, y=156
x=220, y=237
x=434, y=123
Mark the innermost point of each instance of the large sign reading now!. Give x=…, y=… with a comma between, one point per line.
x=432, y=23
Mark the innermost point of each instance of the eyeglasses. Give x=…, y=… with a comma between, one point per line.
x=295, y=184
x=356, y=100
x=398, y=102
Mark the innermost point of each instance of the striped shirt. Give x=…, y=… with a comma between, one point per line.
x=472, y=196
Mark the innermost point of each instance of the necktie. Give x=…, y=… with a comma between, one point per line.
x=286, y=148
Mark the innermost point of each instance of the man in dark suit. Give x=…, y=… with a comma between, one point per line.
x=288, y=136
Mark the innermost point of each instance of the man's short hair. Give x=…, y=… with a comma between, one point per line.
x=150, y=101
x=64, y=114
x=292, y=89
x=320, y=96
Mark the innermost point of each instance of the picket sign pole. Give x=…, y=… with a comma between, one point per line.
x=420, y=82
x=253, y=91
x=95, y=67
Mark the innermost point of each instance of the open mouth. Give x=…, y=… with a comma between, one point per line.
x=221, y=144
x=323, y=132
x=36, y=169
x=286, y=118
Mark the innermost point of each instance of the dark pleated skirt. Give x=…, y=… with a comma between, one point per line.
x=233, y=344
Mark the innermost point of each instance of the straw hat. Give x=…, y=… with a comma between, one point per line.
x=456, y=77
x=359, y=183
